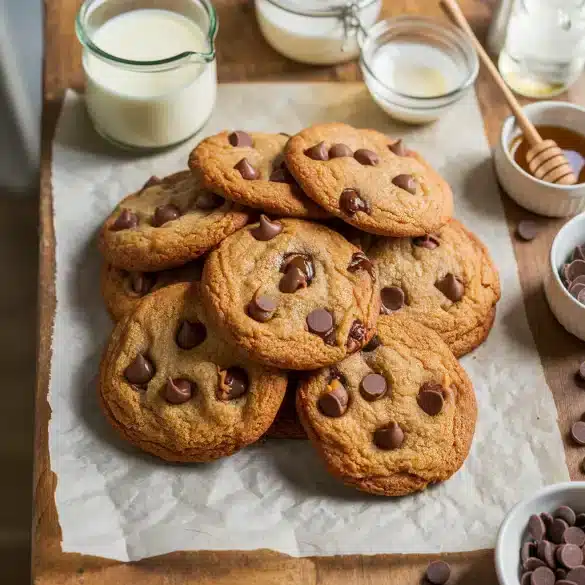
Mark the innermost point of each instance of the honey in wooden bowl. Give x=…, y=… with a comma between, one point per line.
x=571, y=143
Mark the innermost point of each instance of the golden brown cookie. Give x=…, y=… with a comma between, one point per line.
x=171, y=386
x=167, y=223
x=287, y=425
x=293, y=294
x=249, y=169
x=123, y=290
x=369, y=180
x=446, y=281
x=393, y=419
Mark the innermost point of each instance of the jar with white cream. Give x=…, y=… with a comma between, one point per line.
x=150, y=69
x=318, y=32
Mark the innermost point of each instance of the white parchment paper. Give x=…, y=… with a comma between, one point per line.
x=116, y=502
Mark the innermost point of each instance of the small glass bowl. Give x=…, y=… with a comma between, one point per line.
x=447, y=42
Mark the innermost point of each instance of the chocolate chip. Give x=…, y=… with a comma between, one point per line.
x=545, y=551
x=373, y=344
x=533, y=563
x=281, y=175
x=569, y=555
x=356, y=335
x=576, y=288
x=542, y=576
x=165, y=213
x=366, y=157
x=233, y=382
x=191, y=334
x=178, y=391
x=350, y=202
x=564, y=582
x=392, y=299
x=430, y=398
x=528, y=550
x=578, y=432
x=262, y=307
x=527, y=230
x=576, y=575
x=317, y=152
x=438, y=572
x=547, y=519
x=154, y=180
x=557, y=530
x=239, y=138
x=430, y=242
x=580, y=520
x=389, y=437
x=398, y=148
x=320, y=322
x=581, y=296
x=574, y=535
x=578, y=253
x=406, y=182
x=140, y=282
x=525, y=579
x=373, y=386
x=299, y=272
x=536, y=527
x=575, y=269
x=333, y=403
x=560, y=574
x=125, y=221
x=565, y=513
x=247, y=171
x=266, y=229
x=359, y=261
x=293, y=280
x=207, y=200
x=451, y=287
x=140, y=371
x=339, y=150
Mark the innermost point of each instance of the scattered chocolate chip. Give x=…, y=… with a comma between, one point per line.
x=140, y=371
x=536, y=527
x=547, y=519
x=576, y=575
x=366, y=157
x=191, y=334
x=207, y=201
x=140, y=282
x=430, y=242
x=356, y=335
x=451, y=287
x=392, y=299
x=373, y=386
x=350, y=202
x=565, y=513
x=247, y=171
x=150, y=183
x=233, y=382
x=545, y=551
x=333, y=403
x=165, y=213
x=320, y=322
x=239, y=138
x=266, y=229
x=576, y=268
x=438, y=572
x=389, y=437
x=533, y=563
x=125, y=221
x=527, y=230
x=528, y=550
x=574, y=535
x=398, y=148
x=578, y=432
x=339, y=150
x=281, y=175
x=373, y=344
x=578, y=253
x=262, y=307
x=557, y=529
x=406, y=182
x=542, y=576
x=317, y=152
x=569, y=555
x=178, y=391
x=430, y=398
x=359, y=261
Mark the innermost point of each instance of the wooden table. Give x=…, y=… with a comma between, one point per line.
x=244, y=56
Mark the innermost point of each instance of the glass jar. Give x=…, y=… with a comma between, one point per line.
x=318, y=32
x=150, y=69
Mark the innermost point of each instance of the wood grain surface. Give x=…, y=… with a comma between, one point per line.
x=244, y=56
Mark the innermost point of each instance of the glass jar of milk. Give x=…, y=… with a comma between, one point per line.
x=150, y=69
x=318, y=32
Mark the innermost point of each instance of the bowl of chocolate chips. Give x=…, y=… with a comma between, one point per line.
x=564, y=284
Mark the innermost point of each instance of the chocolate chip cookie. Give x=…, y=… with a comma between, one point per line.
x=171, y=386
x=123, y=290
x=249, y=169
x=293, y=294
x=445, y=280
x=167, y=223
x=369, y=180
x=396, y=416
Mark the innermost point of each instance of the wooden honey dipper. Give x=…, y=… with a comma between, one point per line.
x=545, y=159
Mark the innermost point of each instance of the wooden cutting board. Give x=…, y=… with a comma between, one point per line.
x=244, y=56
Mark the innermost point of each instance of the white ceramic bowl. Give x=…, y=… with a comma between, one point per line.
x=513, y=529
x=531, y=193
x=569, y=312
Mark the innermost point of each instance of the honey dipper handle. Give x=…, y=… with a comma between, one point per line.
x=528, y=129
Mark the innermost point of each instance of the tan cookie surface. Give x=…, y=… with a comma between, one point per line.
x=197, y=220
x=320, y=302
x=420, y=268
x=271, y=189
x=368, y=186
x=363, y=446
x=123, y=290
x=217, y=415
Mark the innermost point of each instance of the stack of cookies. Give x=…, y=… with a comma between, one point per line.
x=320, y=273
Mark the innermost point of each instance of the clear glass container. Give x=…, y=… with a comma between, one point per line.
x=318, y=32
x=150, y=69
